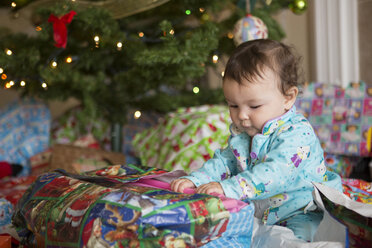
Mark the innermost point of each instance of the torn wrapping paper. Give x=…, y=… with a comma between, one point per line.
x=345, y=220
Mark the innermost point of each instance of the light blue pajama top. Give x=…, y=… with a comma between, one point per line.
x=279, y=166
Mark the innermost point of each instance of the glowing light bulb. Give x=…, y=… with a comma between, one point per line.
x=96, y=38
x=188, y=12
x=8, y=52
x=301, y=4
x=44, y=85
x=119, y=45
x=222, y=73
x=23, y=83
x=7, y=85
x=54, y=64
x=230, y=35
x=171, y=32
x=1, y=70
x=141, y=34
x=68, y=60
x=14, y=4
x=11, y=83
x=201, y=10
x=215, y=58
x=196, y=90
x=137, y=114
x=4, y=76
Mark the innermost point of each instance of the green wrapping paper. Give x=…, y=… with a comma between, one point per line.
x=185, y=139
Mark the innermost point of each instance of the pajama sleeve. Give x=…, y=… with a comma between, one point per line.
x=286, y=157
x=220, y=167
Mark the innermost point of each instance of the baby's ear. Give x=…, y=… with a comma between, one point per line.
x=290, y=97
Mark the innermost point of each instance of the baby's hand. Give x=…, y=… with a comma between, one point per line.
x=209, y=188
x=179, y=185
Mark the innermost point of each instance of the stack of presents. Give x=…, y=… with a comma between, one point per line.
x=73, y=192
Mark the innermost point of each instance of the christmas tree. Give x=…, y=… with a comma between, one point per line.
x=117, y=55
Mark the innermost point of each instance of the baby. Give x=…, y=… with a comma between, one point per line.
x=273, y=154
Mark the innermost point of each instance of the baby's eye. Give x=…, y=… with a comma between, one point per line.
x=233, y=106
x=254, y=107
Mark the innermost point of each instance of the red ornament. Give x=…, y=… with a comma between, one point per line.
x=59, y=28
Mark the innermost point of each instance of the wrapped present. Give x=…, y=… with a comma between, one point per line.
x=81, y=159
x=112, y=207
x=69, y=129
x=185, y=139
x=358, y=190
x=6, y=210
x=11, y=190
x=341, y=117
x=74, y=157
x=24, y=132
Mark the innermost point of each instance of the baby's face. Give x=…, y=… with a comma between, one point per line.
x=252, y=104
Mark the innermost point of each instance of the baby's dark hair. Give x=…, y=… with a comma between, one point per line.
x=250, y=59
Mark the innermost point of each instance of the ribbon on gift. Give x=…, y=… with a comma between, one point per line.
x=60, y=29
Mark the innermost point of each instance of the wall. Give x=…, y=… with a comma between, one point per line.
x=365, y=39
x=296, y=28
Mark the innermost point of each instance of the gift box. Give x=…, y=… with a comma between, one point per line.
x=24, y=132
x=115, y=207
x=80, y=159
x=184, y=139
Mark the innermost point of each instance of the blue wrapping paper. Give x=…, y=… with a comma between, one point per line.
x=24, y=132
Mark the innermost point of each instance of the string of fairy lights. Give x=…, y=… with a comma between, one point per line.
x=53, y=63
x=119, y=46
x=9, y=82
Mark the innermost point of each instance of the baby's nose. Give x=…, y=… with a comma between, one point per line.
x=243, y=115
